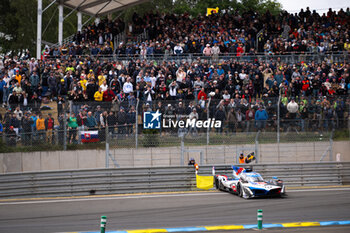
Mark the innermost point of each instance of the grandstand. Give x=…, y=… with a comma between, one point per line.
x=228, y=66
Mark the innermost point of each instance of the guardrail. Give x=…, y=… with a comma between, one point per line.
x=155, y=179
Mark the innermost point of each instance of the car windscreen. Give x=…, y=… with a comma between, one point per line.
x=255, y=178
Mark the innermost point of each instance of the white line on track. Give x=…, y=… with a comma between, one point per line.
x=154, y=196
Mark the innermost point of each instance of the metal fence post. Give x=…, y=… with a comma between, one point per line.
x=107, y=145
x=349, y=120
x=208, y=129
x=65, y=131
x=278, y=124
x=257, y=157
x=79, y=135
x=182, y=150
x=331, y=146
x=137, y=124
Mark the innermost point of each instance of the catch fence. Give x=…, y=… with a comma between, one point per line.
x=280, y=138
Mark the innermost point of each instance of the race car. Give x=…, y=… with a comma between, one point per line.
x=248, y=184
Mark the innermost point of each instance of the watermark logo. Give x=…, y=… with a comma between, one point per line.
x=152, y=120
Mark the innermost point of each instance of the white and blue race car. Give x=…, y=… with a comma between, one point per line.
x=248, y=184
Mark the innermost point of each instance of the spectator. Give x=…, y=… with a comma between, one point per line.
x=261, y=118
x=49, y=126
x=72, y=126
x=90, y=121
x=40, y=127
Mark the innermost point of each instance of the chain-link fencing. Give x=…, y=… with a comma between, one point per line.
x=118, y=128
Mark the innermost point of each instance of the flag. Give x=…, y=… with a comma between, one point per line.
x=89, y=136
x=212, y=10
x=237, y=170
x=204, y=182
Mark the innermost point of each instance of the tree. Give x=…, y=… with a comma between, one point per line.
x=19, y=23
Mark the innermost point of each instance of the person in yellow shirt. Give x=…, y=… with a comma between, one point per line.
x=83, y=82
x=347, y=46
x=101, y=79
x=40, y=127
x=98, y=95
x=18, y=77
x=91, y=75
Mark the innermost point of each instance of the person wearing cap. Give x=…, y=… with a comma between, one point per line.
x=207, y=51
x=91, y=75
x=241, y=159
x=11, y=136
x=18, y=77
x=191, y=162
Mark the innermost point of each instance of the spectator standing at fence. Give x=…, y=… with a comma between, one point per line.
x=40, y=127
x=49, y=126
x=131, y=116
x=292, y=108
x=90, y=121
x=111, y=122
x=11, y=136
x=220, y=116
x=27, y=129
x=261, y=118
x=122, y=121
x=72, y=126
x=231, y=120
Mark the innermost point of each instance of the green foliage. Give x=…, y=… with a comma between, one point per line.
x=19, y=22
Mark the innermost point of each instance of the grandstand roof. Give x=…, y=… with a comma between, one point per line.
x=99, y=7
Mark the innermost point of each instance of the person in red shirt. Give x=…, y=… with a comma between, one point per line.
x=108, y=95
x=240, y=50
x=202, y=93
x=49, y=125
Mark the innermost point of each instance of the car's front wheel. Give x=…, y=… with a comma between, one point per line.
x=240, y=190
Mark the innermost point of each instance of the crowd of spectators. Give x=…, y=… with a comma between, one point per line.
x=216, y=34
x=243, y=94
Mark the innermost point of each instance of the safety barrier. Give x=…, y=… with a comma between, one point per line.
x=156, y=179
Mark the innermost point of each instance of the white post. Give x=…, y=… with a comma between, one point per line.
x=60, y=24
x=79, y=21
x=38, y=33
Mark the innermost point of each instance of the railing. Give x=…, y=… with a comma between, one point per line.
x=139, y=180
x=288, y=58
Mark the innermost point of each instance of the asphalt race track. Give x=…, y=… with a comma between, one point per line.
x=129, y=212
